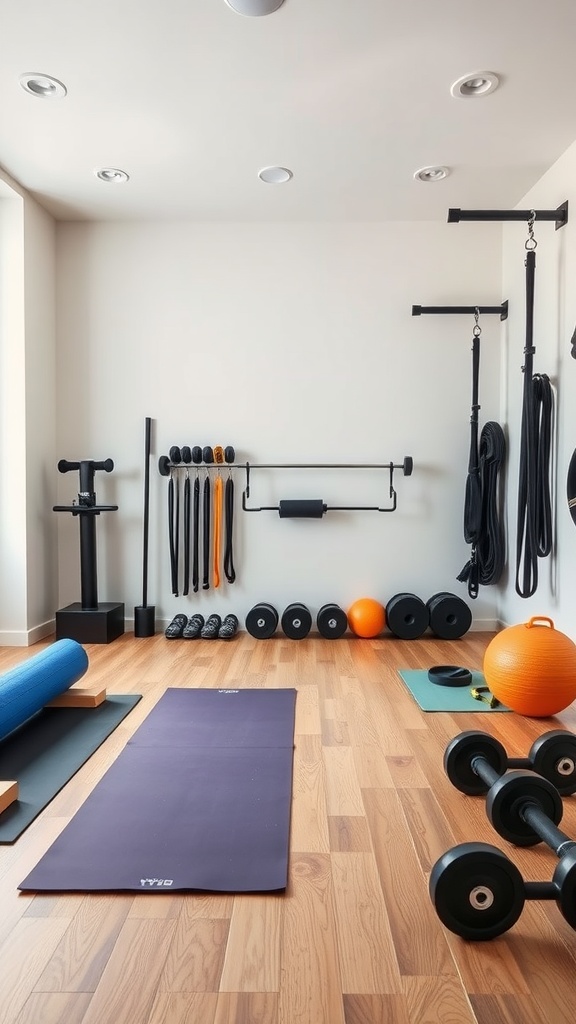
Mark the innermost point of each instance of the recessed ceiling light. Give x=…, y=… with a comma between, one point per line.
x=275, y=175
x=44, y=86
x=431, y=173
x=254, y=8
x=481, y=83
x=111, y=174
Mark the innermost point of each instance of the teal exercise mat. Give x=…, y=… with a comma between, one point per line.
x=432, y=697
x=44, y=753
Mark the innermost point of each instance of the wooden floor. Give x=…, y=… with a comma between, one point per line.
x=355, y=938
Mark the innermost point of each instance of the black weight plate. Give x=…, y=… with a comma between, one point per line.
x=407, y=616
x=164, y=465
x=458, y=758
x=331, y=621
x=262, y=621
x=450, y=675
x=408, y=465
x=477, y=891
x=553, y=755
x=296, y=621
x=450, y=616
x=175, y=454
x=564, y=881
x=506, y=798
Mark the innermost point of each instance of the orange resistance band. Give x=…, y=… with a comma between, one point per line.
x=218, y=458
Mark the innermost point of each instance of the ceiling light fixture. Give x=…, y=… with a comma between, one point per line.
x=275, y=175
x=431, y=173
x=43, y=86
x=254, y=8
x=111, y=174
x=481, y=83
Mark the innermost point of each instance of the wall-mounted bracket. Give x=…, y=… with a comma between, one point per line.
x=501, y=310
x=559, y=216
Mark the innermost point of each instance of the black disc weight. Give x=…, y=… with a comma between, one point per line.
x=450, y=616
x=262, y=621
x=407, y=617
x=564, y=881
x=478, y=892
x=331, y=621
x=553, y=755
x=506, y=798
x=296, y=621
x=460, y=753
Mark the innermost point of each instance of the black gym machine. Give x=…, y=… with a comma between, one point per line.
x=478, y=892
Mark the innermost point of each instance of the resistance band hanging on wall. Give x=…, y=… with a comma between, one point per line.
x=483, y=527
x=534, y=518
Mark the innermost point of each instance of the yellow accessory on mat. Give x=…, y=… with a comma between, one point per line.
x=478, y=693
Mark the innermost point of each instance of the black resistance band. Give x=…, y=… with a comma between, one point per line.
x=186, y=586
x=206, y=536
x=195, y=533
x=229, y=529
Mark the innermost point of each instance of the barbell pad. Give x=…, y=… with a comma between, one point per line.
x=296, y=621
x=262, y=621
x=450, y=675
x=186, y=455
x=304, y=508
x=331, y=621
x=196, y=455
x=407, y=617
x=207, y=455
x=24, y=690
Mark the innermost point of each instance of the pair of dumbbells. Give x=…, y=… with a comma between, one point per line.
x=478, y=892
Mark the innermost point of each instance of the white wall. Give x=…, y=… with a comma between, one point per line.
x=554, y=322
x=292, y=343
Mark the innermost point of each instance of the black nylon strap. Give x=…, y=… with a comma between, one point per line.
x=473, y=498
x=186, y=585
x=206, y=534
x=195, y=534
x=229, y=529
x=171, y=538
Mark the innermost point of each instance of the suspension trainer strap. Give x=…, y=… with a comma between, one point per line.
x=195, y=533
x=229, y=530
x=473, y=495
x=186, y=586
x=526, y=546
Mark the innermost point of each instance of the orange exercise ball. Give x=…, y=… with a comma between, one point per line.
x=366, y=617
x=531, y=668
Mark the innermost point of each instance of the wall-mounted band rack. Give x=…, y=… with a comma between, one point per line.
x=559, y=216
x=314, y=508
x=501, y=310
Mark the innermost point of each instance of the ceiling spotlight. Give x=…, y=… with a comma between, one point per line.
x=112, y=174
x=275, y=175
x=254, y=8
x=481, y=83
x=431, y=173
x=44, y=86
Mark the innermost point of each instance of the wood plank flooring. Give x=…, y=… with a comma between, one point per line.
x=355, y=938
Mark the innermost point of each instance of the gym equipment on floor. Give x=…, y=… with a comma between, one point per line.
x=407, y=617
x=28, y=687
x=193, y=627
x=450, y=675
x=331, y=621
x=144, y=614
x=220, y=758
x=366, y=617
x=474, y=761
x=431, y=697
x=314, y=508
x=88, y=621
x=211, y=627
x=296, y=621
x=531, y=667
x=262, y=621
x=229, y=627
x=450, y=616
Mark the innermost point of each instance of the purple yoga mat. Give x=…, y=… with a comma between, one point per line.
x=199, y=799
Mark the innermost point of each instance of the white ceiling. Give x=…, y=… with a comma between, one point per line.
x=192, y=99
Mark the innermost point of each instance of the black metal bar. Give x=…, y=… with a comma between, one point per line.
x=484, y=770
x=559, y=216
x=501, y=310
x=545, y=828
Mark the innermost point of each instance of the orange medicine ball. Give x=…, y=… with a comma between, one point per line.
x=531, y=668
x=366, y=617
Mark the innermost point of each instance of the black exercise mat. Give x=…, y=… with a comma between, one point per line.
x=44, y=753
x=199, y=799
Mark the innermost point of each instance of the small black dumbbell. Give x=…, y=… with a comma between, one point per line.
x=552, y=755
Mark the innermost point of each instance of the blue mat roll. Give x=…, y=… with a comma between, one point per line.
x=24, y=690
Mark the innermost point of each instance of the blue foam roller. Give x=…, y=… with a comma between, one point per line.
x=24, y=690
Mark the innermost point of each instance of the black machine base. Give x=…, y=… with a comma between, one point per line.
x=98, y=625
x=144, y=620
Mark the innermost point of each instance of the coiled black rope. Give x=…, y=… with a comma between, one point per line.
x=534, y=518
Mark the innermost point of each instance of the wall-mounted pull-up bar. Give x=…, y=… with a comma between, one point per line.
x=501, y=310
x=559, y=216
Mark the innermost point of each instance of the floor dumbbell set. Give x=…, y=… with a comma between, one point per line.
x=478, y=892
x=296, y=621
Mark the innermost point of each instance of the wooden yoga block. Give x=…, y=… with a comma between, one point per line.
x=8, y=794
x=79, y=697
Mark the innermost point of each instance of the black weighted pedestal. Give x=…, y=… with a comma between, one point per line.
x=98, y=625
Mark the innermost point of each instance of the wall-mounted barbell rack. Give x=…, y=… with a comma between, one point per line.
x=501, y=310
x=559, y=215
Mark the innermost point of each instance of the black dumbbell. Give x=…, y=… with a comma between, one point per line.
x=552, y=755
x=479, y=893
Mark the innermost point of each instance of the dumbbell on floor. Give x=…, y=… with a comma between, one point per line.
x=474, y=761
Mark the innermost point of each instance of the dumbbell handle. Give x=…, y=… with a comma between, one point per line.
x=484, y=770
x=535, y=817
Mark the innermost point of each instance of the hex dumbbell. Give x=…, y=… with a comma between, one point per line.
x=474, y=761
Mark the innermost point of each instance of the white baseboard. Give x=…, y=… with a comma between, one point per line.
x=25, y=638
